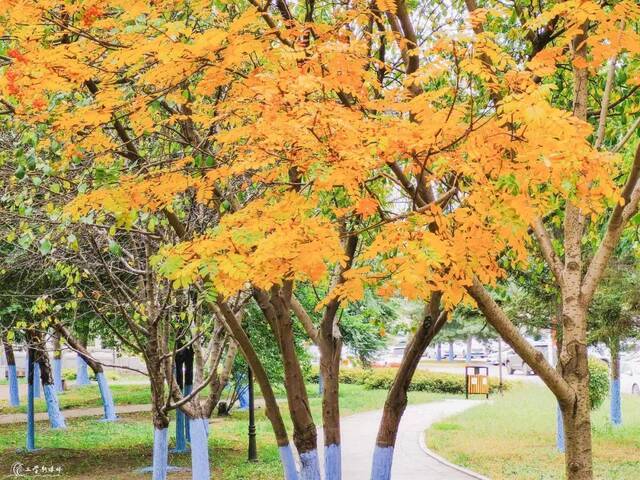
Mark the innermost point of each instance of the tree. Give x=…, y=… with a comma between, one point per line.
x=337, y=146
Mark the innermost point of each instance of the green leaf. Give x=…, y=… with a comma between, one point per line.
x=45, y=246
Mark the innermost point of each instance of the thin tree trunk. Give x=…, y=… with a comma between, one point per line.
x=14, y=393
x=103, y=384
x=235, y=329
x=56, y=419
x=396, y=401
x=277, y=309
x=616, y=403
x=57, y=362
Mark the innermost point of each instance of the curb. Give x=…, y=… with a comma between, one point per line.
x=442, y=460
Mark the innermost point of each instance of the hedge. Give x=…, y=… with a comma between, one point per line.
x=423, y=381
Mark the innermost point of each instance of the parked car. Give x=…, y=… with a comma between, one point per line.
x=513, y=361
x=630, y=377
x=493, y=357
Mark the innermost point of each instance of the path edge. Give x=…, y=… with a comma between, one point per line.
x=427, y=451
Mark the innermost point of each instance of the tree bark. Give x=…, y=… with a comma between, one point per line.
x=276, y=307
x=396, y=401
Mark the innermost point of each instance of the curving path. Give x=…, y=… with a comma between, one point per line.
x=410, y=461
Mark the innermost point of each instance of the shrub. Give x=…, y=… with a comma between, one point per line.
x=423, y=381
x=70, y=375
x=598, y=382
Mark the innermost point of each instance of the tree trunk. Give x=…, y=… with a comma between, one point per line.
x=56, y=418
x=616, y=401
x=57, y=363
x=14, y=393
x=305, y=437
x=330, y=351
x=82, y=376
x=396, y=401
x=103, y=384
x=235, y=329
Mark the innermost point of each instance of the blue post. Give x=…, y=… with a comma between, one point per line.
x=439, y=352
x=160, y=453
x=309, y=465
x=107, y=399
x=82, y=374
x=57, y=374
x=56, y=419
x=31, y=423
x=559, y=431
x=332, y=462
x=382, y=462
x=451, y=355
x=36, y=380
x=199, y=428
x=14, y=393
x=288, y=463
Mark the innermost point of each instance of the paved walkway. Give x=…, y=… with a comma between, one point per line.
x=410, y=462
x=73, y=413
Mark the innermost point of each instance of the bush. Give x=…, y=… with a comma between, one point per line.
x=423, y=381
x=598, y=382
x=70, y=375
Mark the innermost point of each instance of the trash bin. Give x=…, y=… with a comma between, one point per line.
x=476, y=380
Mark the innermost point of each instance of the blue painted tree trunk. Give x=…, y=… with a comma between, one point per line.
x=559, y=431
x=107, y=399
x=616, y=402
x=309, y=465
x=199, y=428
x=243, y=397
x=181, y=430
x=14, y=392
x=288, y=463
x=56, y=419
x=439, y=352
x=332, y=462
x=616, y=398
x=36, y=380
x=31, y=421
x=82, y=373
x=320, y=384
x=451, y=355
x=382, y=462
x=160, y=453
x=187, y=390
x=57, y=375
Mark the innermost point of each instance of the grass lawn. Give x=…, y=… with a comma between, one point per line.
x=92, y=449
x=514, y=438
x=87, y=396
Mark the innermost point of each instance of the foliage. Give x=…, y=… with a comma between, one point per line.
x=598, y=382
x=423, y=381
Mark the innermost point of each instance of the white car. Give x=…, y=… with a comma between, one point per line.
x=630, y=377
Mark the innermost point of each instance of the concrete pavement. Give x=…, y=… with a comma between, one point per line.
x=410, y=461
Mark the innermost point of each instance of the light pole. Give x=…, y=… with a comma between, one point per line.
x=253, y=450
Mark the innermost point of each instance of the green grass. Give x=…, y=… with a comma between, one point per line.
x=111, y=451
x=88, y=396
x=514, y=438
